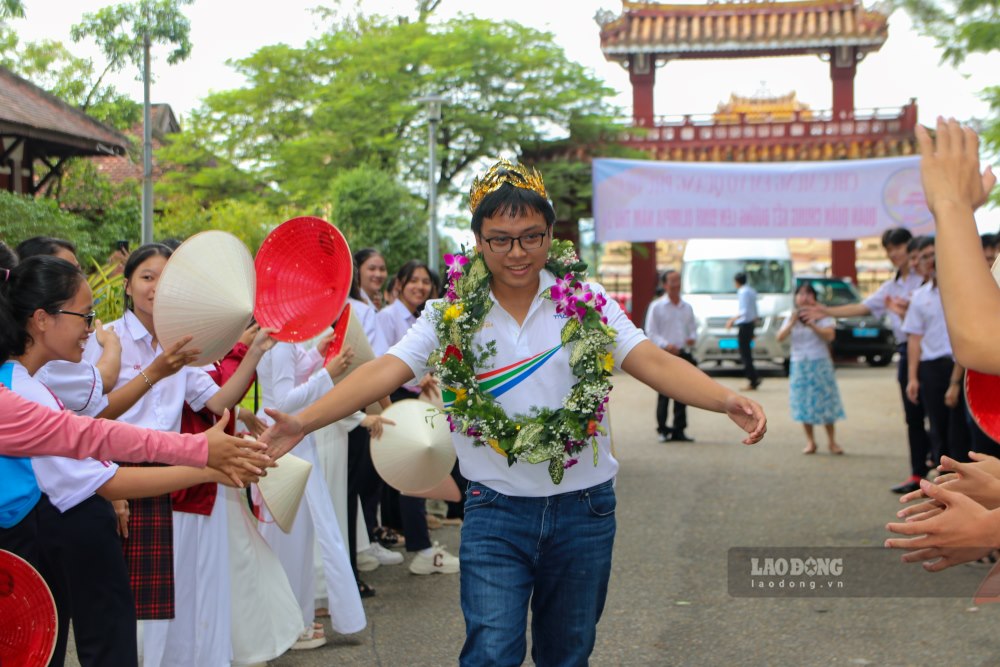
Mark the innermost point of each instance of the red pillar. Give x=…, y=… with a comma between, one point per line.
x=642, y=76
x=843, y=67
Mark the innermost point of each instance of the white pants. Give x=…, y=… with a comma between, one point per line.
x=316, y=520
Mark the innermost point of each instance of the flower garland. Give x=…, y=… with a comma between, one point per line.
x=556, y=436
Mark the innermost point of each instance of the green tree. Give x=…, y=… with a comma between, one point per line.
x=373, y=210
x=349, y=97
x=118, y=31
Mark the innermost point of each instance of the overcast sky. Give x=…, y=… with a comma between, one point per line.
x=907, y=66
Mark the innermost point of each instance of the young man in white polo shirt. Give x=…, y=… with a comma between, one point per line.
x=533, y=531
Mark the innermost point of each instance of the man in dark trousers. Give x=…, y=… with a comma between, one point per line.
x=746, y=320
x=671, y=326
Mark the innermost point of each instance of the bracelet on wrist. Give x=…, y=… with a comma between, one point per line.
x=146, y=378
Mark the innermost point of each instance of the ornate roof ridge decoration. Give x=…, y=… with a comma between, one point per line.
x=738, y=103
x=731, y=29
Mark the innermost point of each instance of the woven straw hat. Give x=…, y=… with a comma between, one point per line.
x=27, y=614
x=283, y=487
x=304, y=270
x=206, y=290
x=416, y=453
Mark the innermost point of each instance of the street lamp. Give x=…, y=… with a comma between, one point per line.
x=433, y=103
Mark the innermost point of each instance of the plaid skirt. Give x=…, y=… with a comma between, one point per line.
x=149, y=554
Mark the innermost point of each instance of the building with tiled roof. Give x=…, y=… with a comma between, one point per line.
x=649, y=35
x=120, y=168
x=37, y=128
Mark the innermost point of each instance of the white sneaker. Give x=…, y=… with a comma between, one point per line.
x=367, y=561
x=438, y=561
x=385, y=556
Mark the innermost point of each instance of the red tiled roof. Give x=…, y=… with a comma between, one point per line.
x=726, y=28
x=28, y=111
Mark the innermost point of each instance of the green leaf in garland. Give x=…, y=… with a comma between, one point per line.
x=556, y=470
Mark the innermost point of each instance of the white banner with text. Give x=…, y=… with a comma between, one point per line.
x=644, y=200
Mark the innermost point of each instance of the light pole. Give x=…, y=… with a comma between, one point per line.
x=433, y=103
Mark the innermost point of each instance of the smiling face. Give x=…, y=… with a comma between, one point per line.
x=516, y=269
x=925, y=262
x=897, y=255
x=141, y=287
x=417, y=289
x=372, y=274
x=62, y=336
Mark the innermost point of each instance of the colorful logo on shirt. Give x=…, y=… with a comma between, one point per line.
x=501, y=380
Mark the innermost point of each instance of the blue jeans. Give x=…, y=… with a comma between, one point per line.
x=555, y=552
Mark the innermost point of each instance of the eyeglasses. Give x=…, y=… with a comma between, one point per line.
x=87, y=317
x=502, y=244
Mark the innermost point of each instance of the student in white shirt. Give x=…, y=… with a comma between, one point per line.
x=49, y=300
x=509, y=553
x=177, y=552
x=371, y=274
x=671, y=326
x=745, y=321
x=931, y=364
x=812, y=387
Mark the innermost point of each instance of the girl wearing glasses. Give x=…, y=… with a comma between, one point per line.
x=165, y=549
x=55, y=511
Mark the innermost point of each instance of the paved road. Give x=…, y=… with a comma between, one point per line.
x=681, y=507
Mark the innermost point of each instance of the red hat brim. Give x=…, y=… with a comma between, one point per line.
x=28, y=620
x=304, y=270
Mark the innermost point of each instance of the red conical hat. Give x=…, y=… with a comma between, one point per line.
x=304, y=269
x=981, y=391
x=27, y=614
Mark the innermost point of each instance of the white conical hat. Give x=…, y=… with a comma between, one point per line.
x=206, y=290
x=283, y=487
x=354, y=335
x=416, y=453
x=996, y=270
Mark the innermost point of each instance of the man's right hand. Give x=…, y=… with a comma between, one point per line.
x=283, y=434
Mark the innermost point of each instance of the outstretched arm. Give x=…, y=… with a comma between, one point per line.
x=370, y=382
x=954, y=188
x=672, y=376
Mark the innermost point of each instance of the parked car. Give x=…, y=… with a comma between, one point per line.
x=869, y=336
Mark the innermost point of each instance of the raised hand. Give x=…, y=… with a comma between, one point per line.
x=106, y=335
x=234, y=456
x=749, y=416
x=949, y=166
x=374, y=424
x=340, y=361
x=172, y=360
x=252, y=422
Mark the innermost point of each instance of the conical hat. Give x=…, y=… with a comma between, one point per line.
x=206, y=290
x=981, y=392
x=416, y=453
x=996, y=270
x=283, y=487
x=27, y=614
x=339, y=334
x=353, y=335
x=304, y=270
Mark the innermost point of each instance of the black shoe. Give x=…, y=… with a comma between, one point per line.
x=681, y=437
x=906, y=487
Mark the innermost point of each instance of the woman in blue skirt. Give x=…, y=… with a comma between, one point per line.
x=813, y=392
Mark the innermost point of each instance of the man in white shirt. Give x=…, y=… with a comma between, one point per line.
x=512, y=551
x=745, y=321
x=671, y=326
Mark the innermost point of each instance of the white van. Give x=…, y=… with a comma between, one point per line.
x=707, y=284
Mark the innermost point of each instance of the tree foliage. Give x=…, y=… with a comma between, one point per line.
x=349, y=97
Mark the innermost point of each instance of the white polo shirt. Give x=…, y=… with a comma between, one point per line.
x=669, y=323
x=898, y=288
x=538, y=385
x=67, y=482
x=806, y=344
x=160, y=408
x=925, y=317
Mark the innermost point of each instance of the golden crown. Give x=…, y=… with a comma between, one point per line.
x=505, y=172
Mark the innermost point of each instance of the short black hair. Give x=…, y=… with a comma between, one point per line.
x=989, y=240
x=43, y=245
x=925, y=241
x=39, y=282
x=896, y=236
x=740, y=278
x=363, y=255
x=511, y=201
x=665, y=275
